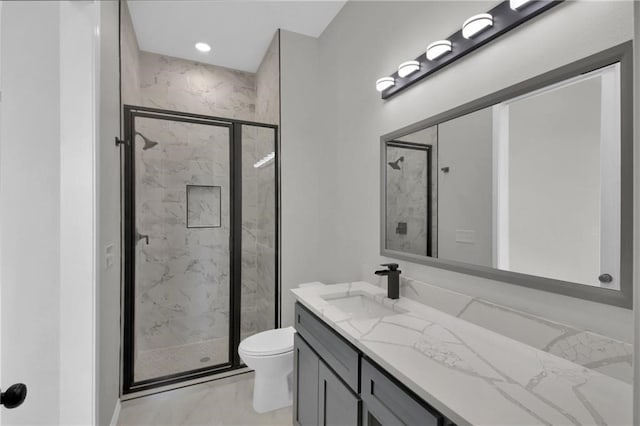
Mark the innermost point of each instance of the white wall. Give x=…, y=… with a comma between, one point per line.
x=47, y=188
x=365, y=41
x=108, y=217
x=30, y=156
x=554, y=183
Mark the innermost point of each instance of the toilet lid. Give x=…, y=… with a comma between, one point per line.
x=270, y=342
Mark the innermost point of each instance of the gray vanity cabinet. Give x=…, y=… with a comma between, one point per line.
x=335, y=385
x=337, y=406
x=321, y=398
x=387, y=404
x=326, y=375
x=305, y=381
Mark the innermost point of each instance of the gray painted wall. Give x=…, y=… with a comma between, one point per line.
x=342, y=194
x=306, y=169
x=465, y=193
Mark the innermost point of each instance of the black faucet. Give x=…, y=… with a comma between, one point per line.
x=393, y=279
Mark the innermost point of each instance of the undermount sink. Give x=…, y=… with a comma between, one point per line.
x=361, y=307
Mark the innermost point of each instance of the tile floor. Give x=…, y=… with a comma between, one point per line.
x=217, y=403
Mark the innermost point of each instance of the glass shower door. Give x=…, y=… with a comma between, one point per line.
x=181, y=246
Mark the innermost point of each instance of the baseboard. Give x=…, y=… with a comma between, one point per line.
x=116, y=414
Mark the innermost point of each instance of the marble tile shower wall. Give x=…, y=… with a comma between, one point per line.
x=250, y=277
x=181, y=85
x=267, y=111
x=182, y=274
x=407, y=200
x=268, y=84
x=130, y=60
x=258, y=232
x=606, y=355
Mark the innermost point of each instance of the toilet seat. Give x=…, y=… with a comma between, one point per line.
x=270, y=342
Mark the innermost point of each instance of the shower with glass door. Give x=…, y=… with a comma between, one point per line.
x=200, y=243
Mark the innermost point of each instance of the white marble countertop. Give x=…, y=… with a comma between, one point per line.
x=470, y=374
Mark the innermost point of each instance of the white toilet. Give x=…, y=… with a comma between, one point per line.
x=270, y=355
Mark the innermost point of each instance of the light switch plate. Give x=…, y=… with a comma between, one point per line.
x=109, y=257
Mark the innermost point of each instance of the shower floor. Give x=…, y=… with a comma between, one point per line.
x=160, y=362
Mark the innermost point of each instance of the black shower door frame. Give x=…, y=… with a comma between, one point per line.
x=131, y=112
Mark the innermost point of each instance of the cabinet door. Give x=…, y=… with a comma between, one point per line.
x=386, y=403
x=305, y=384
x=338, y=406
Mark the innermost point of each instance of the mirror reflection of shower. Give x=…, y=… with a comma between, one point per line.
x=395, y=165
x=148, y=143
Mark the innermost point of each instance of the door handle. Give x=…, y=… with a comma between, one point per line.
x=14, y=396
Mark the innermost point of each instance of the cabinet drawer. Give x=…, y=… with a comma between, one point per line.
x=336, y=352
x=391, y=404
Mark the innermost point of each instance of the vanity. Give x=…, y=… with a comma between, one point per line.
x=364, y=359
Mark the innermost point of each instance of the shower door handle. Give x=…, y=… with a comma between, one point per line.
x=140, y=236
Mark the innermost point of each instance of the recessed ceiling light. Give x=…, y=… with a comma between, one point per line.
x=476, y=24
x=203, y=47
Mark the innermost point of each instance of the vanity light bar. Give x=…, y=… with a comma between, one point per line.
x=476, y=31
x=437, y=49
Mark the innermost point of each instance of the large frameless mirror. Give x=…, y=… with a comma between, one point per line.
x=531, y=185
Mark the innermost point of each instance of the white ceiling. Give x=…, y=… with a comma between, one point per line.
x=239, y=31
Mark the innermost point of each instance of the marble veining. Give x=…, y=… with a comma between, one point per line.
x=204, y=206
x=471, y=374
x=181, y=85
x=601, y=353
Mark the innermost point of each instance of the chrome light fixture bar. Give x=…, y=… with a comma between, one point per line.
x=504, y=17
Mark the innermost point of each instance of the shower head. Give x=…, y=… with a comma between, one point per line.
x=148, y=143
x=395, y=165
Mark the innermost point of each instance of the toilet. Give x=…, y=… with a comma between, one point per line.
x=270, y=355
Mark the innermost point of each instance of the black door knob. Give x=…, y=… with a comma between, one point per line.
x=605, y=278
x=14, y=396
